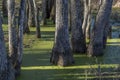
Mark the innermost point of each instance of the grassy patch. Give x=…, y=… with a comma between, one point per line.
x=36, y=65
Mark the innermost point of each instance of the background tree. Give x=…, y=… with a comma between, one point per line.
x=96, y=45
x=61, y=52
x=31, y=19
x=87, y=18
x=44, y=3
x=26, y=27
x=37, y=21
x=4, y=8
x=77, y=37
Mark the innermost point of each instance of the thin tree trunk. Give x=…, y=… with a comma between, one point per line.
x=12, y=32
x=26, y=27
x=77, y=37
x=43, y=22
x=52, y=14
x=37, y=21
x=21, y=25
x=87, y=18
x=61, y=52
x=31, y=20
x=4, y=8
x=96, y=46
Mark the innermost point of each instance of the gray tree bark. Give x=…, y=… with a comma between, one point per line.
x=31, y=20
x=96, y=46
x=37, y=21
x=12, y=32
x=21, y=25
x=6, y=70
x=87, y=18
x=77, y=38
x=52, y=13
x=43, y=22
x=26, y=28
x=4, y=8
x=61, y=52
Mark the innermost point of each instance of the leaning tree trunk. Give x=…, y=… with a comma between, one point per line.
x=6, y=70
x=77, y=37
x=37, y=21
x=31, y=20
x=12, y=32
x=21, y=25
x=96, y=46
x=61, y=52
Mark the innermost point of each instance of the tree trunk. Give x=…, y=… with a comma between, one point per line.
x=52, y=14
x=26, y=27
x=37, y=21
x=77, y=37
x=96, y=46
x=43, y=22
x=6, y=70
x=61, y=52
x=31, y=21
x=12, y=32
x=21, y=25
x=87, y=18
x=4, y=8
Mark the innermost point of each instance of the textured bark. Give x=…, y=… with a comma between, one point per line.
x=69, y=15
x=87, y=18
x=96, y=46
x=107, y=33
x=37, y=24
x=6, y=70
x=26, y=27
x=4, y=8
x=61, y=52
x=43, y=22
x=12, y=32
x=77, y=38
x=21, y=25
x=31, y=21
x=52, y=14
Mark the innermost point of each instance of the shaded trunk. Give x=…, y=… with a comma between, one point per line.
x=96, y=46
x=12, y=32
x=52, y=14
x=61, y=52
x=31, y=21
x=77, y=38
x=43, y=22
x=107, y=33
x=26, y=27
x=21, y=25
x=4, y=8
x=37, y=21
x=6, y=70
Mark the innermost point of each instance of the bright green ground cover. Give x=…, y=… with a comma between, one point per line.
x=36, y=65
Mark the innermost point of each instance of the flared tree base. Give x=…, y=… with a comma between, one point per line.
x=95, y=50
x=60, y=58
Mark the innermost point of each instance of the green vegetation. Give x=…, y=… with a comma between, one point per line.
x=36, y=65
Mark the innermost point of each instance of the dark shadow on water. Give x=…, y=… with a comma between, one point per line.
x=45, y=35
x=61, y=74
